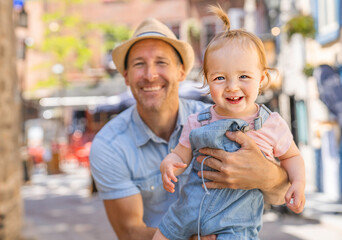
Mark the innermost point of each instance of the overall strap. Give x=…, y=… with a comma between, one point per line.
x=264, y=113
x=204, y=115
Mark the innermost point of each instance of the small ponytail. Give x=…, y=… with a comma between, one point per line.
x=244, y=38
x=218, y=11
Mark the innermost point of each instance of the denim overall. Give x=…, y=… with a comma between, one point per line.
x=229, y=213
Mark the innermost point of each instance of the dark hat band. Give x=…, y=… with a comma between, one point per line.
x=151, y=34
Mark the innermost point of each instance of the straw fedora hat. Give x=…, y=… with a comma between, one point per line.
x=152, y=28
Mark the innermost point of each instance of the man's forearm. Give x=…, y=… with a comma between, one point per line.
x=126, y=217
x=139, y=233
x=277, y=186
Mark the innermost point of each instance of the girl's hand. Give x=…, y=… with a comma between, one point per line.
x=167, y=169
x=295, y=197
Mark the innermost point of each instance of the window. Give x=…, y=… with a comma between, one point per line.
x=175, y=29
x=21, y=49
x=211, y=26
x=327, y=17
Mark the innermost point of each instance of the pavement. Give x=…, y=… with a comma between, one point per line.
x=61, y=207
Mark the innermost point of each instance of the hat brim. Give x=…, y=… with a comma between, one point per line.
x=184, y=49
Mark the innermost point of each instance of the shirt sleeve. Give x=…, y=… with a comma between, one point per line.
x=110, y=171
x=283, y=135
x=189, y=125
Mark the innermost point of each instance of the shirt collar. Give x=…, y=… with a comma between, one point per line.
x=182, y=114
x=144, y=133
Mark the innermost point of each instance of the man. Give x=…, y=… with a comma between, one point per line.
x=126, y=153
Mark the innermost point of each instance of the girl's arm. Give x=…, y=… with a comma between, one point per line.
x=293, y=163
x=185, y=155
x=174, y=164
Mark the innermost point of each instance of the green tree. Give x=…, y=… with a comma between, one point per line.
x=114, y=34
x=68, y=37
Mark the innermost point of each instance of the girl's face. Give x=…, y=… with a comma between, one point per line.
x=234, y=76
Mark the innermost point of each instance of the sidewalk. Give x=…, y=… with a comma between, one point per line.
x=328, y=212
x=60, y=207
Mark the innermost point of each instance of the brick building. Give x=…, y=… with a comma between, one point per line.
x=189, y=19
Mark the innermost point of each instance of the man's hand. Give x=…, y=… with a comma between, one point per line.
x=246, y=168
x=209, y=237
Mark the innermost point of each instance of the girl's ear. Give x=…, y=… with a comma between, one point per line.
x=262, y=79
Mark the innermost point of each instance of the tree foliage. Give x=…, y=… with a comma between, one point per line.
x=302, y=24
x=114, y=34
x=68, y=37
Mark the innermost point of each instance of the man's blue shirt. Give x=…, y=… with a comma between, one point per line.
x=125, y=158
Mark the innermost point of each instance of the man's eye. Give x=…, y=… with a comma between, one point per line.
x=138, y=64
x=161, y=63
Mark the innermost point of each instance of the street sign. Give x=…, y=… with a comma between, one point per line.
x=18, y=4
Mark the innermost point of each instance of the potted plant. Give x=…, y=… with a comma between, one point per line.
x=302, y=24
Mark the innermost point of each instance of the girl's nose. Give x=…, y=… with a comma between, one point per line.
x=231, y=85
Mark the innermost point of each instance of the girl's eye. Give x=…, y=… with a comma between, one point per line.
x=219, y=78
x=244, y=76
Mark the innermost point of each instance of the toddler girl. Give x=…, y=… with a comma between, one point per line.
x=236, y=71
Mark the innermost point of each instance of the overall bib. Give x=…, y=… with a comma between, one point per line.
x=229, y=213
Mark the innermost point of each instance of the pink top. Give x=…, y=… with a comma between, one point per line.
x=274, y=138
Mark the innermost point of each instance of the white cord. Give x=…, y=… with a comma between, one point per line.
x=205, y=194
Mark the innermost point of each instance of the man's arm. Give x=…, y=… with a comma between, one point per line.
x=126, y=218
x=246, y=168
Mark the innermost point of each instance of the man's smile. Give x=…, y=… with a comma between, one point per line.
x=152, y=89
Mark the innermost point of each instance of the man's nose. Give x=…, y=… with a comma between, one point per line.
x=151, y=73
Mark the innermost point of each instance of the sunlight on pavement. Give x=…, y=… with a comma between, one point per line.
x=313, y=232
x=60, y=206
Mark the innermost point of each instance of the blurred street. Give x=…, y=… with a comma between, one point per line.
x=60, y=207
x=59, y=86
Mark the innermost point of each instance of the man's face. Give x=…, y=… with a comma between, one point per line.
x=153, y=74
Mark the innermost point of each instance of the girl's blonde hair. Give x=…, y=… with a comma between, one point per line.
x=246, y=38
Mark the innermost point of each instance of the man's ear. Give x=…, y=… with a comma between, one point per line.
x=126, y=78
x=182, y=74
